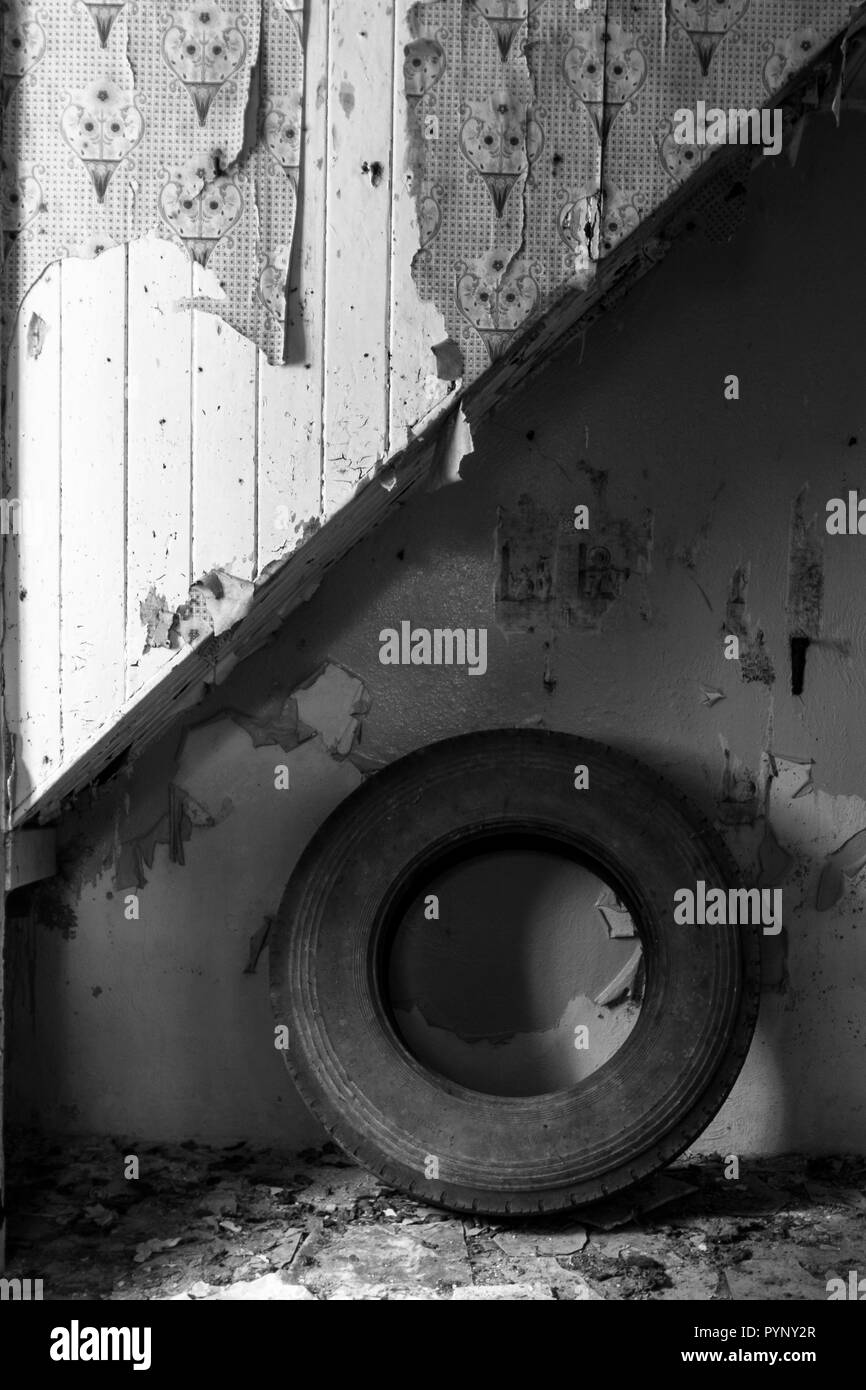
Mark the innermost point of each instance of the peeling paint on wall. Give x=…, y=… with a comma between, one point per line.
x=521, y=960
x=226, y=598
x=330, y=707
x=156, y=619
x=739, y=800
x=525, y=545
x=216, y=602
x=845, y=863
x=277, y=723
x=426, y=364
x=36, y=330
x=453, y=446
x=794, y=1093
x=549, y=574
x=614, y=914
x=805, y=600
x=754, y=662
x=823, y=839
x=122, y=121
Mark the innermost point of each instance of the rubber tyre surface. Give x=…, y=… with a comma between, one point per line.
x=502, y=1154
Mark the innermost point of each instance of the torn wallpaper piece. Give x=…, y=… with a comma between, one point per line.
x=130, y=118
x=541, y=134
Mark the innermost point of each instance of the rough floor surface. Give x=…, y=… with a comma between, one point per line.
x=248, y=1223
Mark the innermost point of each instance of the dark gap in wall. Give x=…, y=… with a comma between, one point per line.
x=111, y=769
x=799, y=647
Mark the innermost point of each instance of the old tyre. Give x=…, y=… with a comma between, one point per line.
x=430, y=1136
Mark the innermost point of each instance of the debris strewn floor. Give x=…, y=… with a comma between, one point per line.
x=246, y=1223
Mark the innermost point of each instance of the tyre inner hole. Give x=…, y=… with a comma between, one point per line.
x=514, y=972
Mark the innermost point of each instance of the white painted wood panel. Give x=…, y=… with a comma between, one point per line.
x=159, y=444
x=291, y=395
x=415, y=325
x=358, y=244
x=175, y=447
x=32, y=569
x=93, y=497
x=224, y=423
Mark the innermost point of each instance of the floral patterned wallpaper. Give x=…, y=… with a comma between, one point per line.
x=541, y=134
x=532, y=120
x=132, y=117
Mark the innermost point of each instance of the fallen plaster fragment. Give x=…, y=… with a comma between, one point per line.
x=239, y=1233
x=333, y=702
x=523, y=1243
x=710, y=696
x=227, y=599
x=270, y=1288
x=368, y=1252
x=452, y=447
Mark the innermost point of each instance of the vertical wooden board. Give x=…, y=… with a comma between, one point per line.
x=223, y=449
x=92, y=501
x=31, y=658
x=158, y=450
x=415, y=389
x=358, y=244
x=290, y=452
x=291, y=396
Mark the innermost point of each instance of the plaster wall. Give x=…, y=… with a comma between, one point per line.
x=711, y=513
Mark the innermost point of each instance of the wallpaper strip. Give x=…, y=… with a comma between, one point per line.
x=541, y=133
x=130, y=118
